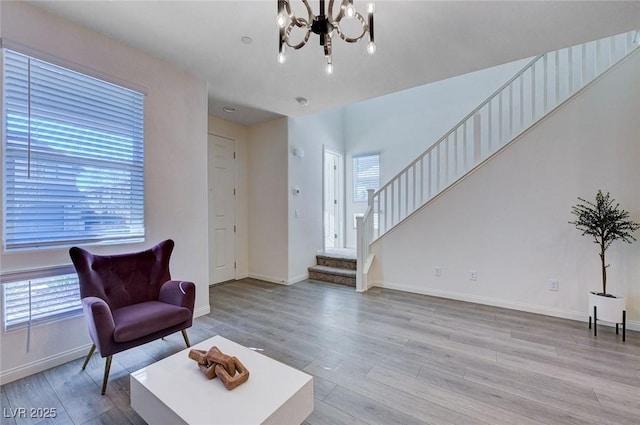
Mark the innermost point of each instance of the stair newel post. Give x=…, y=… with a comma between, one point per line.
x=359, y=253
x=364, y=230
x=368, y=223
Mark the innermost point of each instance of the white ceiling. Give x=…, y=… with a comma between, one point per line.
x=418, y=42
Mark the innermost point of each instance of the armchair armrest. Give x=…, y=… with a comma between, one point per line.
x=100, y=322
x=178, y=292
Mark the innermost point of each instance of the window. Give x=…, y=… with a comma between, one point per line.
x=366, y=175
x=36, y=296
x=73, y=157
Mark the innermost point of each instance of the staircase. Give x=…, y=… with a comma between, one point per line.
x=544, y=84
x=334, y=269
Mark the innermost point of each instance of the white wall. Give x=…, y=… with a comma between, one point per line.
x=509, y=220
x=268, y=201
x=401, y=126
x=273, y=243
x=310, y=134
x=240, y=134
x=175, y=173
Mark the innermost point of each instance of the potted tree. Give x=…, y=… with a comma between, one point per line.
x=605, y=222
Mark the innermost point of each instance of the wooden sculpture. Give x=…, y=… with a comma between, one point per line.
x=214, y=363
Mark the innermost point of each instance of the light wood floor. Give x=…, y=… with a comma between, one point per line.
x=383, y=357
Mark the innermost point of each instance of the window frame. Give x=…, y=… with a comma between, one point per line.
x=94, y=220
x=62, y=278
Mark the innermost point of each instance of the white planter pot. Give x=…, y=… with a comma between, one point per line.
x=608, y=309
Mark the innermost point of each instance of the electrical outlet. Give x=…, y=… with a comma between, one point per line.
x=438, y=271
x=473, y=275
x=554, y=285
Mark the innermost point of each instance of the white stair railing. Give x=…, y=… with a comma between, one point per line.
x=541, y=86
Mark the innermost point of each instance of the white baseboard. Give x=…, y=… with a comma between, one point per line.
x=279, y=280
x=236, y=277
x=40, y=365
x=496, y=302
x=271, y=279
x=298, y=278
x=202, y=311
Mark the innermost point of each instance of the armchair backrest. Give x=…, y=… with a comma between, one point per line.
x=123, y=279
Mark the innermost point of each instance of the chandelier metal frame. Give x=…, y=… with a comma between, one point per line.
x=323, y=24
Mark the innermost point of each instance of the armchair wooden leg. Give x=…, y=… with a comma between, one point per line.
x=186, y=337
x=107, y=367
x=86, y=361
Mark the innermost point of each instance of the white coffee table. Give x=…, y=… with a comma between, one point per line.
x=174, y=391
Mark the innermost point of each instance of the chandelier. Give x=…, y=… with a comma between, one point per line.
x=324, y=24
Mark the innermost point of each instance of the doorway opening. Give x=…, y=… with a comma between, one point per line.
x=222, y=209
x=333, y=199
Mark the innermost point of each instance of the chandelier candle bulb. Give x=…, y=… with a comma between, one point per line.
x=371, y=48
x=350, y=11
x=281, y=20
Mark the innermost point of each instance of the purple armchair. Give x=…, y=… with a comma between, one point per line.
x=130, y=299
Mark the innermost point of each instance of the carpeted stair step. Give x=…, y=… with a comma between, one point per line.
x=339, y=262
x=333, y=275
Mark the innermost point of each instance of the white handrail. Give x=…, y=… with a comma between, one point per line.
x=462, y=121
x=541, y=86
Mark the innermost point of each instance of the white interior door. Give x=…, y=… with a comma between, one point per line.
x=222, y=210
x=332, y=202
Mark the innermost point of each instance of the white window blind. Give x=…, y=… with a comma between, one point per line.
x=35, y=296
x=366, y=175
x=73, y=157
